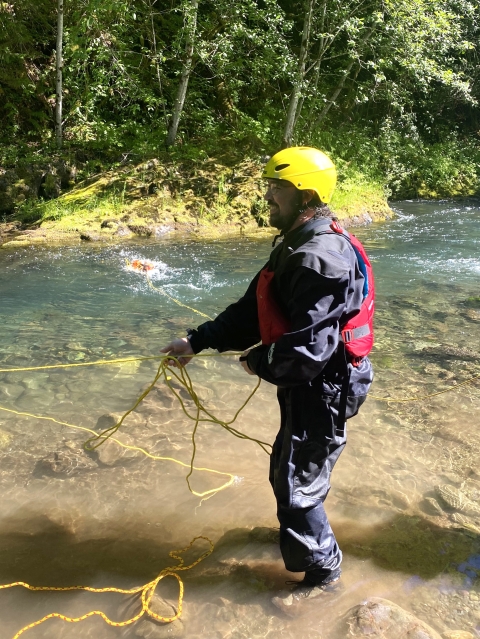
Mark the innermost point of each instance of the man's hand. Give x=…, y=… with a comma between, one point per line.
x=181, y=349
x=243, y=362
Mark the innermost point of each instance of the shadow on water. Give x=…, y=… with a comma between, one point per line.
x=42, y=552
x=409, y=544
x=243, y=573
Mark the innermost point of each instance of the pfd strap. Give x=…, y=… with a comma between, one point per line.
x=355, y=333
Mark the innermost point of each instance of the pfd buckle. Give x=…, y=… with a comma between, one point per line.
x=347, y=336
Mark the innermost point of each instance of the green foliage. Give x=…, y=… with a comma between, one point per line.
x=391, y=87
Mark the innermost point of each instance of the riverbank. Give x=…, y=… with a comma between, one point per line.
x=201, y=197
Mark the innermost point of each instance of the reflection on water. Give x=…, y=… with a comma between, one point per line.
x=405, y=502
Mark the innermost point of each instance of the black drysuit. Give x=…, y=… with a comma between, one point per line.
x=319, y=287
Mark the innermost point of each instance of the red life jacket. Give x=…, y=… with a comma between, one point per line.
x=357, y=333
x=272, y=322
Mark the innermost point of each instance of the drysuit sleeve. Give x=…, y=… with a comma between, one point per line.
x=317, y=303
x=236, y=328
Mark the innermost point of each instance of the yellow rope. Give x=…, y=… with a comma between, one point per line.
x=162, y=291
x=184, y=379
x=147, y=591
x=417, y=398
x=108, y=362
x=139, y=449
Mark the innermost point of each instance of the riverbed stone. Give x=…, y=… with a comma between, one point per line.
x=106, y=421
x=11, y=391
x=379, y=618
x=149, y=628
x=458, y=634
x=90, y=236
x=65, y=463
x=110, y=453
x=431, y=507
x=5, y=439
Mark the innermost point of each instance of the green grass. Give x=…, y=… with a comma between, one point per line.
x=358, y=196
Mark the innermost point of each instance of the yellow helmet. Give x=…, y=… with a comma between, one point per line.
x=306, y=168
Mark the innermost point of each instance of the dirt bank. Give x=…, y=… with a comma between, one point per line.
x=205, y=197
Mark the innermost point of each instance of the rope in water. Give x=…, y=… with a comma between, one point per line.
x=167, y=372
x=162, y=291
x=211, y=492
x=147, y=591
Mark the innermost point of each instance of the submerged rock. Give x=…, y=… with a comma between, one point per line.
x=383, y=619
x=110, y=453
x=5, y=439
x=149, y=628
x=65, y=463
x=457, y=500
x=432, y=507
x=458, y=634
x=106, y=421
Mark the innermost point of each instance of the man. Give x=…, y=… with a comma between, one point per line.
x=314, y=283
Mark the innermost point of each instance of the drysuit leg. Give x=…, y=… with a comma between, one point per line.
x=304, y=454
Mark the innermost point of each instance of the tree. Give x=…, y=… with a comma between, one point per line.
x=59, y=68
x=191, y=10
x=300, y=76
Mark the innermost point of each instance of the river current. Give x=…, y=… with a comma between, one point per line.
x=405, y=498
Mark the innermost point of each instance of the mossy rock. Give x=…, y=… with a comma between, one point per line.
x=473, y=302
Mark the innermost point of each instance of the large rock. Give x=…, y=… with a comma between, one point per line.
x=378, y=618
x=107, y=421
x=28, y=182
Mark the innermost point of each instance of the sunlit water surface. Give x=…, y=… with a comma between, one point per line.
x=405, y=501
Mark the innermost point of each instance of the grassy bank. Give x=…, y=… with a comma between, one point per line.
x=203, y=196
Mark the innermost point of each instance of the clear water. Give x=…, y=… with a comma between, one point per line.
x=113, y=522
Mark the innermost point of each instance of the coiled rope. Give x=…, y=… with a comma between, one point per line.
x=147, y=591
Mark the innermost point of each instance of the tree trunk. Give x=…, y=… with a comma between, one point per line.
x=298, y=85
x=323, y=46
x=59, y=68
x=191, y=27
x=157, y=66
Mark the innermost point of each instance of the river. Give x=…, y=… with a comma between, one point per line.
x=405, y=499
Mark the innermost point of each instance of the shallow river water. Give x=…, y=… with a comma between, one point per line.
x=405, y=499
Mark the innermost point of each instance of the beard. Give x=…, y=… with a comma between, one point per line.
x=276, y=218
x=283, y=221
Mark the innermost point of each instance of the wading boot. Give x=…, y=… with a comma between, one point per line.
x=295, y=603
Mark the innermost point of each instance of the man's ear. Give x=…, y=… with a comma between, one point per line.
x=307, y=195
